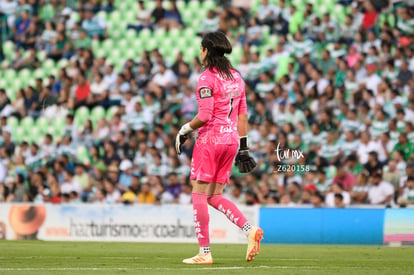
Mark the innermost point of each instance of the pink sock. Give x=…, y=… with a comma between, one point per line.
x=229, y=209
x=201, y=219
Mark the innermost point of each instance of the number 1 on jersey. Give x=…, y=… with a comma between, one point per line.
x=231, y=109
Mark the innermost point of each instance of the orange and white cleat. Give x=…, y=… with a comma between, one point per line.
x=253, y=243
x=200, y=258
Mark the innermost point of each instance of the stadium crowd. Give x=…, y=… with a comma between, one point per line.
x=335, y=129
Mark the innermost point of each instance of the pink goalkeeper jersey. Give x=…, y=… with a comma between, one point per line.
x=220, y=102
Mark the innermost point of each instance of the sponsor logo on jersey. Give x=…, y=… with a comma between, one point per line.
x=205, y=93
x=226, y=129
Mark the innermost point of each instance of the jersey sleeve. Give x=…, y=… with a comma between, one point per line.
x=243, y=103
x=205, y=98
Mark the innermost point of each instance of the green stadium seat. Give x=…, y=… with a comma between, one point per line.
x=49, y=64
x=131, y=36
x=19, y=135
x=39, y=73
x=174, y=34
x=114, y=55
x=107, y=45
x=8, y=49
x=18, y=83
x=58, y=128
x=82, y=154
x=122, y=45
x=150, y=44
x=103, y=15
x=43, y=124
x=24, y=75
x=207, y=5
x=41, y=55
x=9, y=76
x=159, y=34
x=82, y=114
x=11, y=94
x=27, y=122
x=97, y=114
x=111, y=112
x=115, y=17
x=61, y=64
x=129, y=16
x=34, y=134
x=180, y=44
x=272, y=40
x=187, y=16
x=144, y=34
x=180, y=5
x=12, y=122
x=99, y=52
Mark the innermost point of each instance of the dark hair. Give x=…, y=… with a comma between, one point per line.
x=218, y=45
x=339, y=196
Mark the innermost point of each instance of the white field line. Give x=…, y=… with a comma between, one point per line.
x=137, y=258
x=150, y=268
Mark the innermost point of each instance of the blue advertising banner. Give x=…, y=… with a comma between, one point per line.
x=322, y=226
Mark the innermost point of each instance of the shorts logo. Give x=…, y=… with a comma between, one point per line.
x=205, y=93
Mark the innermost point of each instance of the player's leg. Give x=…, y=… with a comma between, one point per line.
x=201, y=168
x=254, y=234
x=201, y=223
x=228, y=208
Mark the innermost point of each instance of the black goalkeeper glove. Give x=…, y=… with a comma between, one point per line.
x=244, y=160
x=182, y=136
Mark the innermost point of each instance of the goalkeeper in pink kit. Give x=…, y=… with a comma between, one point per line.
x=221, y=137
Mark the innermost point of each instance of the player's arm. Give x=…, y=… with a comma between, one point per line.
x=205, y=101
x=244, y=161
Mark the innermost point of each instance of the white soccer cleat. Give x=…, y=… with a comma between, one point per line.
x=253, y=243
x=200, y=258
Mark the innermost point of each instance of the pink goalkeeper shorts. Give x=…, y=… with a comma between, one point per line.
x=213, y=162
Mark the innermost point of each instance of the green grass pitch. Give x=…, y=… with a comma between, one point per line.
x=38, y=257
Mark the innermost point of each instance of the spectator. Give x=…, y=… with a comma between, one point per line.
x=125, y=179
x=112, y=194
x=381, y=192
x=210, y=24
x=158, y=13
x=372, y=166
x=172, y=18
x=94, y=25
x=335, y=190
x=403, y=145
x=146, y=196
x=407, y=197
x=185, y=195
x=143, y=18
x=370, y=16
x=18, y=189
x=70, y=185
x=83, y=179
x=359, y=193
x=344, y=178
x=339, y=201
x=317, y=200
x=21, y=26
